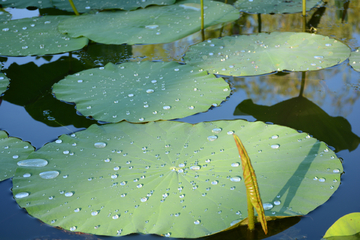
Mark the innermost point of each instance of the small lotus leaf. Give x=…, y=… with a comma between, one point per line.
x=347, y=225
x=145, y=91
x=355, y=60
x=27, y=3
x=274, y=6
x=36, y=36
x=4, y=82
x=171, y=178
x=12, y=150
x=151, y=25
x=85, y=5
x=247, y=55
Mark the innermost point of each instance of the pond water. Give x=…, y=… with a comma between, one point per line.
x=31, y=113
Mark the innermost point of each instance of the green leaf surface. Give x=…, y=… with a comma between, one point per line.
x=151, y=25
x=347, y=225
x=354, y=60
x=11, y=151
x=171, y=178
x=36, y=36
x=4, y=82
x=4, y=16
x=85, y=5
x=145, y=91
x=27, y=3
x=248, y=55
x=274, y=6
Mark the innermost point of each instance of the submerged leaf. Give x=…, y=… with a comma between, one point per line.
x=247, y=55
x=11, y=151
x=347, y=225
x=151, y=25
x=36, y=36
x=171, y=178
x=85, y=5
x=251, y=182
x=139, y=92
x=274, y=6
x=354, y=60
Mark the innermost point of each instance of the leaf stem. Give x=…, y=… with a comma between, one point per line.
x=74, y=8
x=251, y=217
x=202, y=15
x=304, y=7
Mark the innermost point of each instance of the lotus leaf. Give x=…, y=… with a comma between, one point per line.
x=145, y=91
x=27, y=3
x=4, y=82
x=247, y=55
x=355, y=60
x=85, y=5
x=171, y=178
x=274, y=6
x=36, y=36
x=11, y=151
x=151, y=25
x=348, y=225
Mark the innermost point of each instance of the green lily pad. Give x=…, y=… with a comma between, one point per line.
x=151, y=25
x=11, y=151
x=348, y=225
x=247, y=55
x=355, y=60
x=27, y=3
x=145, y=91
x=36, y=36
x=4, y=82
x=274, y=6
x=85, y=5
x=171, y=178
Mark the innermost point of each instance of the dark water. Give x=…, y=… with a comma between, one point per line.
x=334, y=91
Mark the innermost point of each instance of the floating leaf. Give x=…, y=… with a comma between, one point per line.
x=151, y=25
x=4, y=82
x=252, y=188
x=355, y=60
x=11, y=151
x=274, y=6
x=171, y=178
x=27, y=3
x=247, y=55
x=85, y=5
x=36, y=36
x=145, y=91
x=346, y=226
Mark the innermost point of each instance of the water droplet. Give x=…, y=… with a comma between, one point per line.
x=176, y=69
x=69, y=194
x=22, y=195
x=191, y=107
x=144, y=199
x=238, y=213
x=275, y=146
x=73, y=228
x=99, y=144
x=139, y=185
x=212, y=138
x=268, y=206
x=235, y=179
x=77, y=210
x=27, y=175
x=114, y=176
x=150, y=91
x=25, y=47
x=32, y=163
x=216, y=130
x=197, y=222
x=167, y=234
x=66, y=152
x=274, y=136
x=230, y=132
x=49, y=174
x=277, y=202
x=322, y=179
x=15, y=156
x=215, y=182
x=151, y=26
x=94, y=213
x=236, y=164
x=328, y=44
x=336, y=170
x=195, y=168
x=318, y=57
x=141, y=119
x=166, y=107
x=115, y=216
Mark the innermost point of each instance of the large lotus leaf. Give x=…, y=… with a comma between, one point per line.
x=27, y=3
x=348, y=225
x=4, y=82
x=247, y=55
x=85, y=5
x=355, y=60
x=171, y=178
x=151, y=25
x=36, y=36
x=11, y=151
x=274, y=6
x=145, y=91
